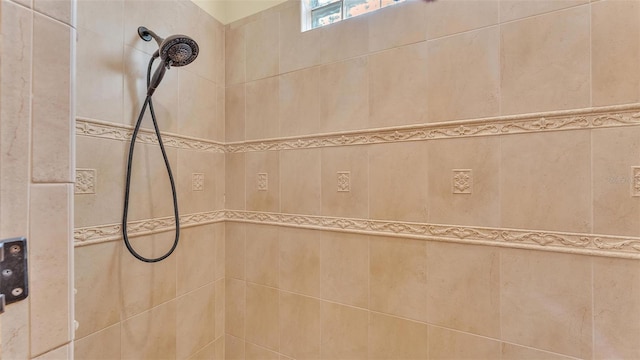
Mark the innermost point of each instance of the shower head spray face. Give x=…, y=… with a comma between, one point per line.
x=179, y=50
x=176, y=50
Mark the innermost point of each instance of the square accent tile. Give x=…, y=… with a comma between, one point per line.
x=462, y=181
x=635, y=183
x=344, y=181
x=197, y=182
x=263, y=181
x=85, y=181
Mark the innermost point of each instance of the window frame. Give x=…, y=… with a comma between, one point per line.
x=308, y=12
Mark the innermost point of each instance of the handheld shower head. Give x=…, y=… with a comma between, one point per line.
x=179, y=50
x=176, y=50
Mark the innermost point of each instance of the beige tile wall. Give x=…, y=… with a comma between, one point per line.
x=36, y=163
x=127, y=309
x=333, y=295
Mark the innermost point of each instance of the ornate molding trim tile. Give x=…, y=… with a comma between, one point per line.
x=344, y=181
x=586, y=244
x=103, y=233
x=635, y=184
x=85, y=181
x=197, y=182
x=106, y=130
x=263, y=182
x=591, y=118
x=462, y=181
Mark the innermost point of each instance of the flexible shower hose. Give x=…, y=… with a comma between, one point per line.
x=148, y=102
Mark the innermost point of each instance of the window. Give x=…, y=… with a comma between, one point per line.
x=317, y=13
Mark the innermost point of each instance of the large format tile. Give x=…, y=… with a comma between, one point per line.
x=15, y=91
x=196, y=109
x=235, y=236
x=99, y=72
x=615, y=51
x=233, y=348
x=300, y=261
x=195, y=318
x=545, y=181
x=49, y=266
x=516, y=9
x=345, y=181
x=614, y=153
x=546, y=301
x=151, y=334
x=255, y=352
x=345, y=268
x=397, y=94
x=234, y=113
x=616, y=307
x=344, y=95
x=234, y=307
x=299, y=102
x=262, y=109
x=262, y=254
x=262, y=181
x=542, y=71
x=297, y=49
x=103, y=345
x=299, y=326
x=261, y=47
x=61, y=10
x=397, y=277
x=515, y=352
x=200, y=181
x=51, y=125
x=397, y=25
x=147, y=285
x=344, y=332
x=234, y=173
x=108, y=158
x=448, y=344
x=335, y=46
x=464, y=76
x=262, y=316
x=398, y=181
x=449, y=17
x=463, y=287
x=300, y=178
x=195, y=256
x=97, y=280
x=478, y=205
x=234, y=55
x=395, y=338
x=150, y=190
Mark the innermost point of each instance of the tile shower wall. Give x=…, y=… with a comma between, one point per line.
x=300, y=293
x=36, y=162
x=125, y=308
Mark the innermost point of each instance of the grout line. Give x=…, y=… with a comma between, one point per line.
x=593, y=309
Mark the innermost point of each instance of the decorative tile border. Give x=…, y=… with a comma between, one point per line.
x=107, y=130
x=585, y=244
x=611, y=116
x=590, y=118
x=103, y=233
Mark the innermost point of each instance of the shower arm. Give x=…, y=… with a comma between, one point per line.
x=147, y=35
